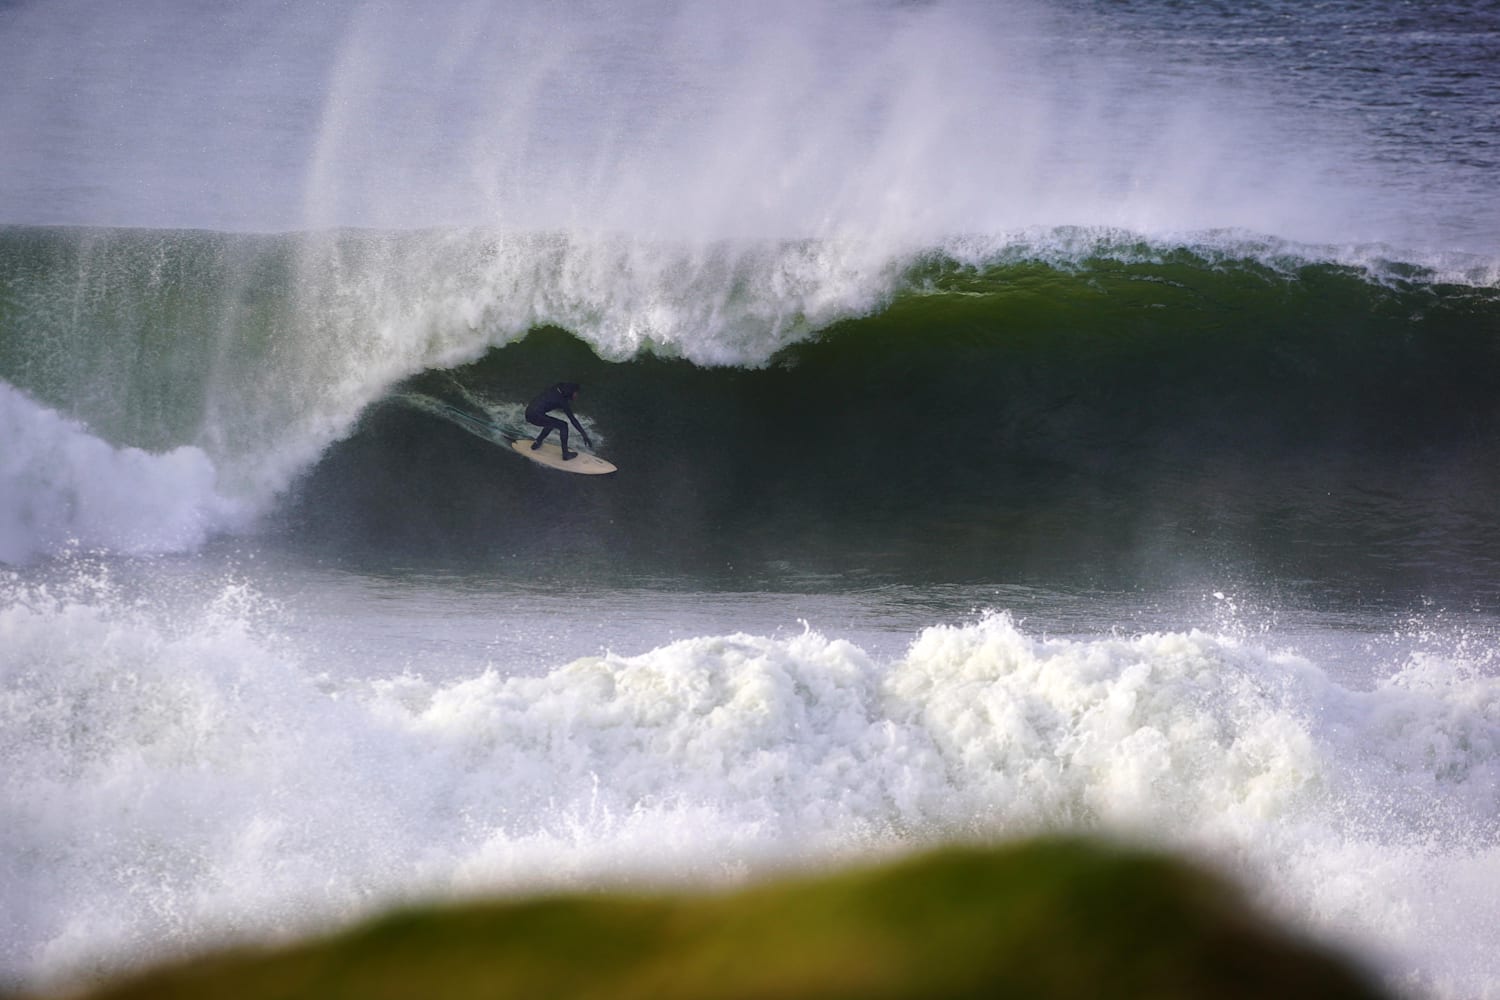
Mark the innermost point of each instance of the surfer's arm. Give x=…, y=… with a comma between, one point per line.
x=576, y=425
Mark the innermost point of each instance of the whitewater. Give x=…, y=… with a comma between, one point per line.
x=1030, y=419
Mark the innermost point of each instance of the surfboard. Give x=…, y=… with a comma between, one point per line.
x=550, y=455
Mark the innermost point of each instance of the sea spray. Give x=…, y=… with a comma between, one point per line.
x=886, y=124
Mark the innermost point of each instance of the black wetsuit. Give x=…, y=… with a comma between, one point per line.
x=558, y=397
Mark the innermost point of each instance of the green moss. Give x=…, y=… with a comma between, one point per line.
x=1046, y=919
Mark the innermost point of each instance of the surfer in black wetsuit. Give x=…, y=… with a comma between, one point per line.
x=558, y=397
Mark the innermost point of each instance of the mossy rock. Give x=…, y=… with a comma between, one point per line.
x=1045, y=919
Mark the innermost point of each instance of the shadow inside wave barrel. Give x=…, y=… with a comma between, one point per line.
x=726, y=475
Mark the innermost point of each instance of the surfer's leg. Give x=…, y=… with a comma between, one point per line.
x=548, y=425
x=562, y=430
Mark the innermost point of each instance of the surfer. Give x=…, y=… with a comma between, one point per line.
x=558, y=397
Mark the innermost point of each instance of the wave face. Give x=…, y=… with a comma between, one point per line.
x=1069, y=399
x=1151, y=417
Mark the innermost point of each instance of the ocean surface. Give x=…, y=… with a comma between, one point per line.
x=1080, y=416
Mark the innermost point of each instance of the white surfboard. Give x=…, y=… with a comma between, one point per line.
x=550, y=455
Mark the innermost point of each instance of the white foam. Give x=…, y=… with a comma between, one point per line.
x=713, y=303
x=61, y=486
x=174, y=776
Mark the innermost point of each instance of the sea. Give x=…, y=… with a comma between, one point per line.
x=1074, y=417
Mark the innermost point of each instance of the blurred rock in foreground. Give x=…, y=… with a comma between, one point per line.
x=1043, y=919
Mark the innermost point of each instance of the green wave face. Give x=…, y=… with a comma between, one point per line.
x=1065, y=403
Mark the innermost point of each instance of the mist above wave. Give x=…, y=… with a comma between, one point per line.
x=886, y=122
